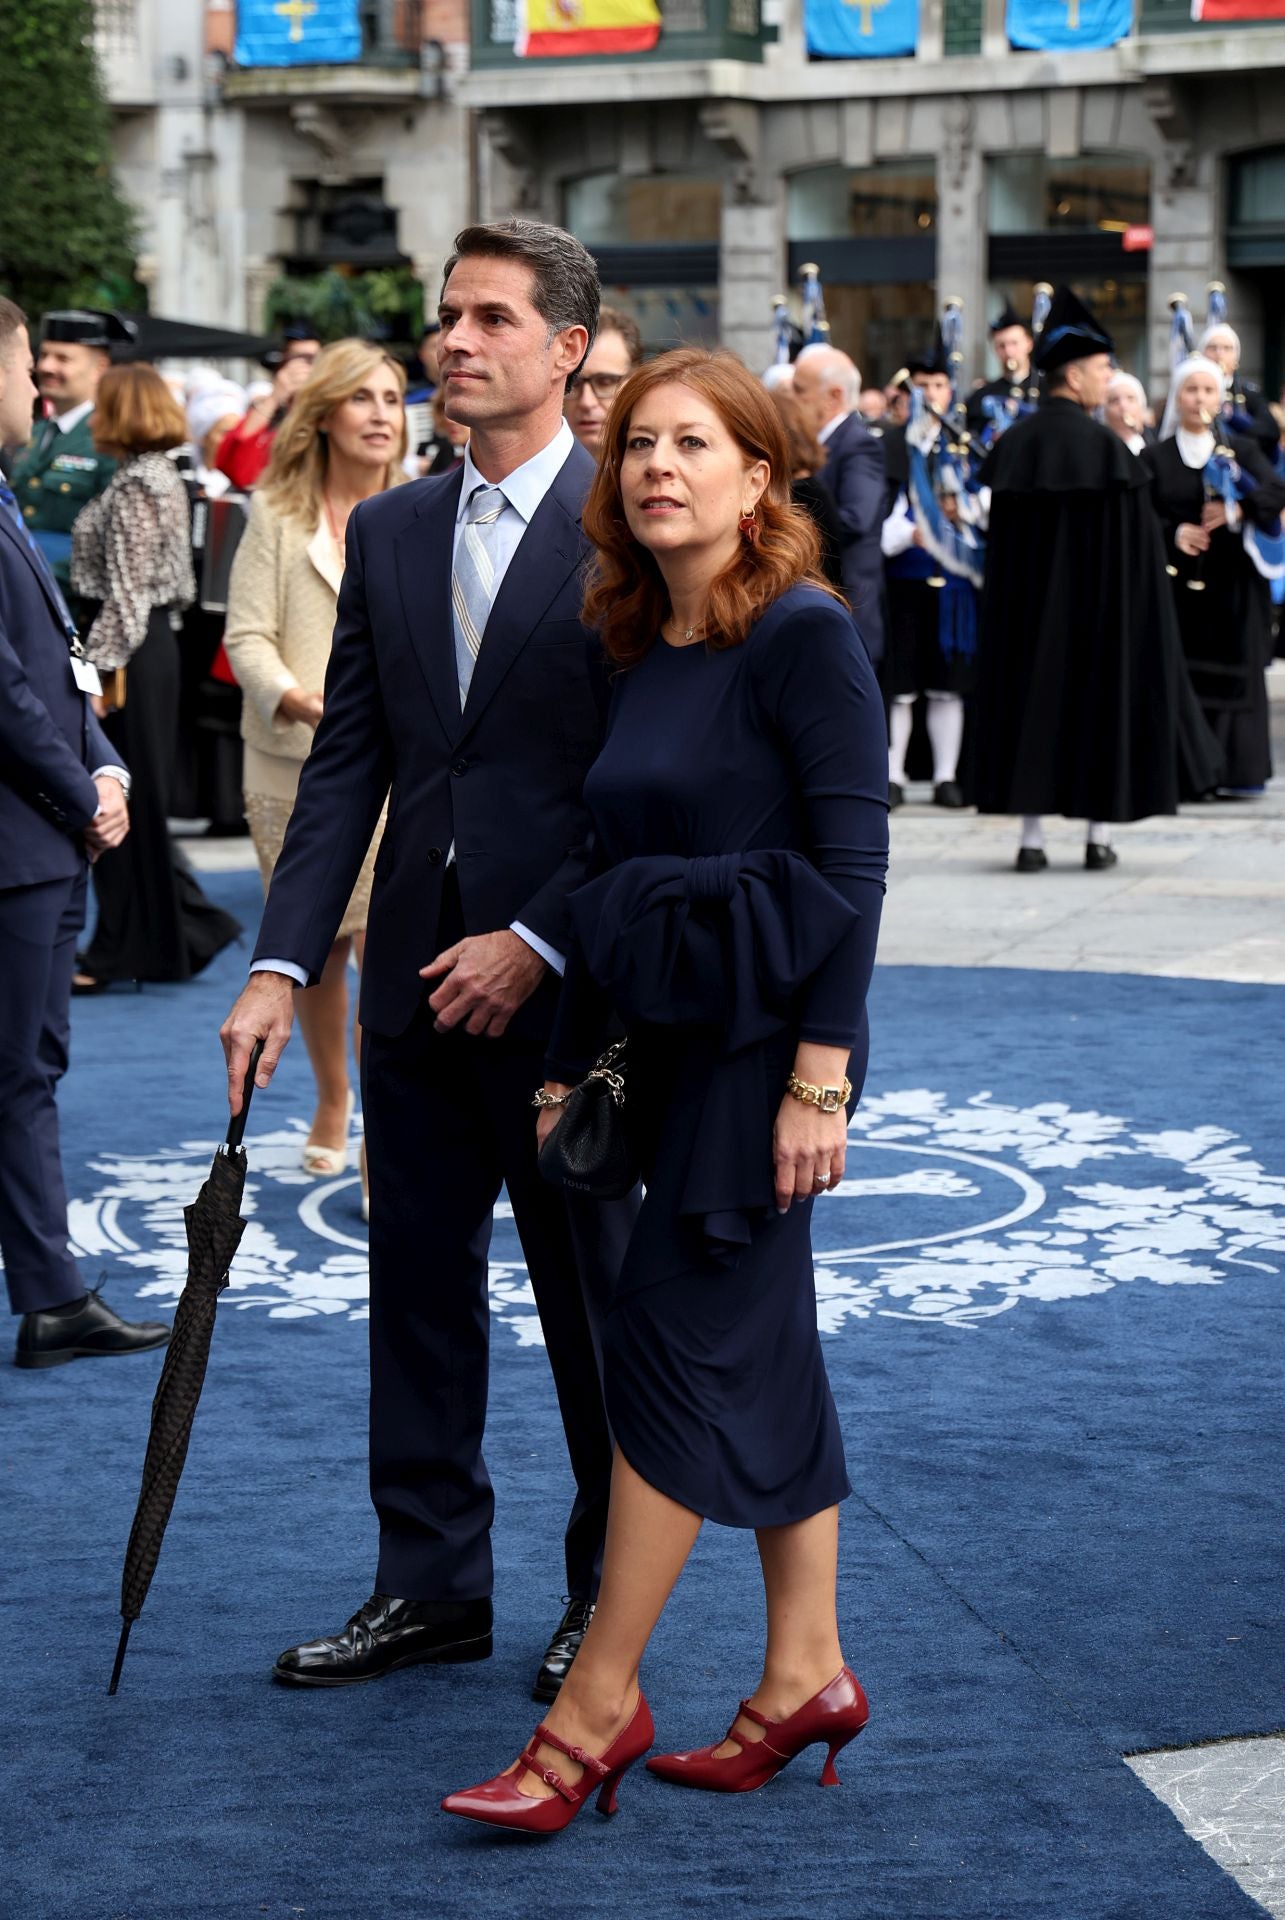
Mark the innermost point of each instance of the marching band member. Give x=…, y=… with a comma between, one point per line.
x=1214, y=492
x=932, y=609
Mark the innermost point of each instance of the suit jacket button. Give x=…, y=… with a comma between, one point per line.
x=460, y=766
x=434, y=855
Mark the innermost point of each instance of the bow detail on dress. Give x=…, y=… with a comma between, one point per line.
x=722, y=941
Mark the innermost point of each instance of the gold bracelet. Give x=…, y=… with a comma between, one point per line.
x=542, y=1099
x=827, y=1099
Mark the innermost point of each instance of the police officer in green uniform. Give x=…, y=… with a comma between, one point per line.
x=61, y=470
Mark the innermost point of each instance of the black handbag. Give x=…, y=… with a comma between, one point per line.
x=589, y=1151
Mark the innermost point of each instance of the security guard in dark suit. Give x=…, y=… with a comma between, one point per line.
x=63, y=800
x=62, y=470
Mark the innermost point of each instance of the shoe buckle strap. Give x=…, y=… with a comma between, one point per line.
x=588, y=1761
x=752, y=1713
x=531, y=1763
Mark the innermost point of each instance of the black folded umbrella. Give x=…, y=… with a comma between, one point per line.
x=214, y=1229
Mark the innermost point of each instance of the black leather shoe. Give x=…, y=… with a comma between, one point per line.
x=387, y=1633
x=562, y=1649
x=1031, y=860
x=1098, y=857
x=948, y=794
x=896, y=795
x=90, y=1333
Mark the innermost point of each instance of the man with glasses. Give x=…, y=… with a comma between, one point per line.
x=616, y=351
x=246, y=450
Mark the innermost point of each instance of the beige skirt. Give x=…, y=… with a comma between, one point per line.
x=268, y=816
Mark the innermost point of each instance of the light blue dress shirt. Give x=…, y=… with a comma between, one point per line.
x=523, y=490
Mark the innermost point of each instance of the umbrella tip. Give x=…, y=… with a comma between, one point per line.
x=120, y=1658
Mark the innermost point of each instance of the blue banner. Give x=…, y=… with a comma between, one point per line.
x=861, y=29
x=1060, y=25
x=295, y=33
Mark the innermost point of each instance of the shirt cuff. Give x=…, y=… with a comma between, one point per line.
x=550, y=955
x=288, y=967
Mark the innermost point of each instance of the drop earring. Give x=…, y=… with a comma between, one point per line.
x=749, y=526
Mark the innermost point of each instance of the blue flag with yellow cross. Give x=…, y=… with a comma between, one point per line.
x=295, y=33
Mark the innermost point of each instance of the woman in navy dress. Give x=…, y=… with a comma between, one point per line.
x=740, y=812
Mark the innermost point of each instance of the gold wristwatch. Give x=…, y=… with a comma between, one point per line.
x=827, y=1099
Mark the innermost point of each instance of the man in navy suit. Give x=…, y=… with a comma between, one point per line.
x=829, y=388
x=62, y=803
x=460, y=677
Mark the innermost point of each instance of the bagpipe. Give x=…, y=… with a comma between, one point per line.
x=943, y=495
x=790, y=336
x=1227, y=483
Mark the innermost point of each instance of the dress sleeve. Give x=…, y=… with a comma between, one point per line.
x=584, y=1022
x=1266, y=500
x=818, y=689
x=131, y=532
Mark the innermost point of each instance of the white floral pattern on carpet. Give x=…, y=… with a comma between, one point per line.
x=975, y=1209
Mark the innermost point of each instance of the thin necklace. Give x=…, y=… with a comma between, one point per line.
x=688, y=633
x=330, y=522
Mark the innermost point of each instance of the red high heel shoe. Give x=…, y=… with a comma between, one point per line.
x=836, y=1715
x=497, y=1802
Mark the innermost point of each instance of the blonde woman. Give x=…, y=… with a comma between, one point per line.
x=343, y=440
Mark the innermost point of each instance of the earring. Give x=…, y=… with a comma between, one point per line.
x=749, y=526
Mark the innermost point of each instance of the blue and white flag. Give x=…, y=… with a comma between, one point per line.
x=296, y=33
x=1059, y=25
x=861, y=29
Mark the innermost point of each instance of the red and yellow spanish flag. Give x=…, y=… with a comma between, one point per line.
x=1215, y=10
x=559, y=28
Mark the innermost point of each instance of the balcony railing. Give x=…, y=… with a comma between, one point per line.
x=692, y=30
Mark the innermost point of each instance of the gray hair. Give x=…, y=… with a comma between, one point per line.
x=12, y=319
x=565, y=291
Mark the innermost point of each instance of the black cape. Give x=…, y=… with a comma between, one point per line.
x=1082, y=697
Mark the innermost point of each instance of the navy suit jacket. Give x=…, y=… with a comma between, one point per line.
x=49, y=738
x=502, y=780
x=853, y=475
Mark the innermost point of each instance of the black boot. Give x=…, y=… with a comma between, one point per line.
x=88, y=1330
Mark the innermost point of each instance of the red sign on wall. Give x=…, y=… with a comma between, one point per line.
x=1138, y=239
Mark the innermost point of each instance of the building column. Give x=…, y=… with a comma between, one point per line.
x=751, y=232
x=1187, y=250
x=961, y=225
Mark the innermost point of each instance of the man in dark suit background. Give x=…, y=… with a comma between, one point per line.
x=461, y=676
x=62, y=803
x=829, y=387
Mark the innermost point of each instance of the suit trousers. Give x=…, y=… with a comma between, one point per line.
x=449, y=1120
x=39, y=926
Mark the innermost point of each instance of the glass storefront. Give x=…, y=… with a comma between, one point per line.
x=655, y=239
x=872, y=231
x=1104, y=193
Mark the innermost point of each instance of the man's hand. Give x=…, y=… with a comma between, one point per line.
x=1191, y=539
x=111, y=823
x=296, y=703
x=1213, y=515
x=265, y=1011
x=487, y=976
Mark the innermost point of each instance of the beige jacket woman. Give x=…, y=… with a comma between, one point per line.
x=281, y=614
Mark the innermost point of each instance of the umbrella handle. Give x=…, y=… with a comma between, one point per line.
x=236, y=1127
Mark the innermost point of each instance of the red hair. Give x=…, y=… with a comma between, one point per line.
x=625, y=598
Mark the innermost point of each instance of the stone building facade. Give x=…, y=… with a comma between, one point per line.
x=704, y=173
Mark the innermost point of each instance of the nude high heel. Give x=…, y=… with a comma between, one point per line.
x=323, y=1162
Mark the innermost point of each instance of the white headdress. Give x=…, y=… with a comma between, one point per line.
x=1194, y=363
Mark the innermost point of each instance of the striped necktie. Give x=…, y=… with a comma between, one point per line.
x=474, y=582
x=9, y=505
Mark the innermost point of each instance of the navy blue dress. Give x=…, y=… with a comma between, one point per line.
x=740, y=811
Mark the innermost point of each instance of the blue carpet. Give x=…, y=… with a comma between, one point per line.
x=1051, y=1291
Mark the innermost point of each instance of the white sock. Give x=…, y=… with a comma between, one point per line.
x=1033, y=832
x=900, y=721
x=1099, y=833
x=946, y=733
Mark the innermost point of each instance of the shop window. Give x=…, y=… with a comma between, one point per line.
x=1105, y=193
x=606, y=209
x=1119, y=303
x=898, y=200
